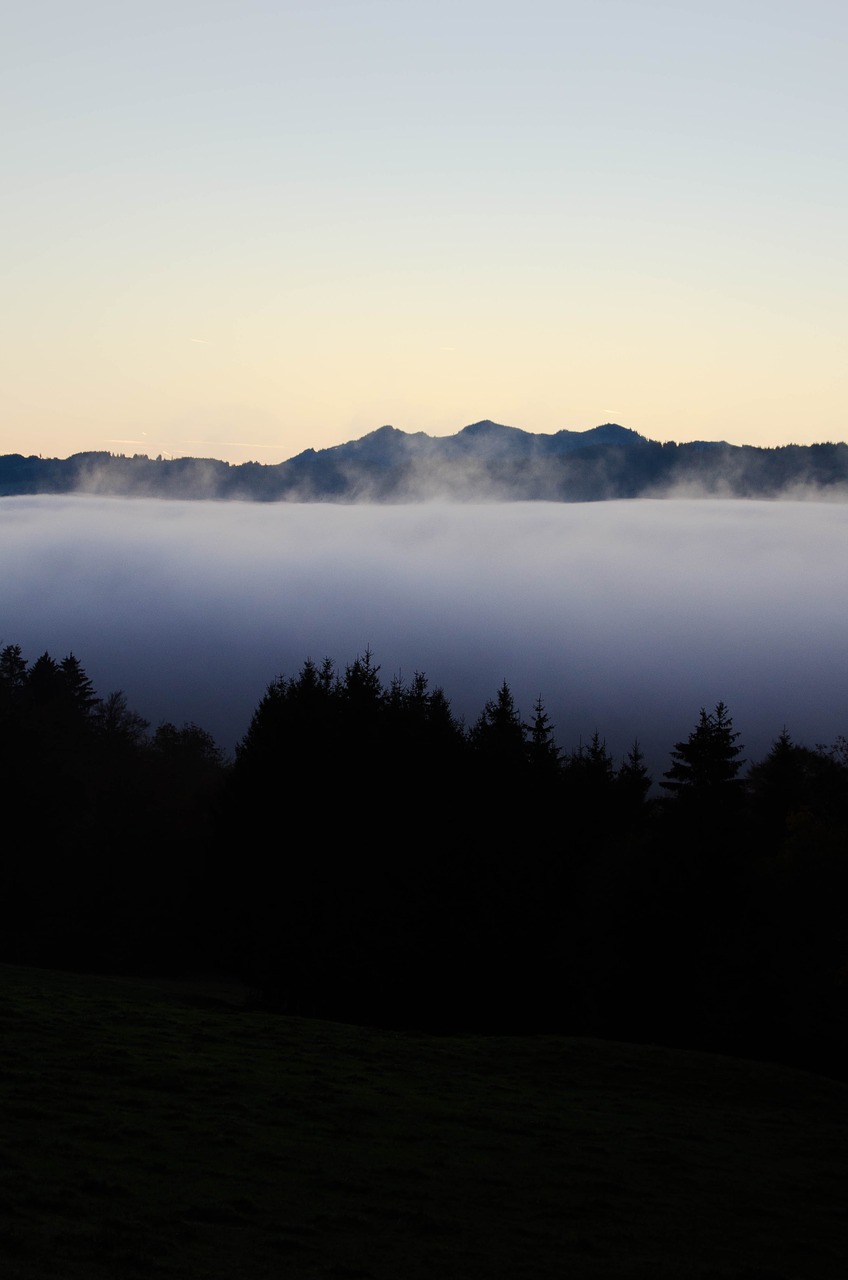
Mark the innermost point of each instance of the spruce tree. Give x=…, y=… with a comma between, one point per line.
x=498, y=735
x=633, y=779
x=707, y=763
x=542, y=750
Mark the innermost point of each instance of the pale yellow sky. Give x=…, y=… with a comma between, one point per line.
x=242, y=231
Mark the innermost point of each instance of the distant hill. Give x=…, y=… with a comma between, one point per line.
x=485, y=461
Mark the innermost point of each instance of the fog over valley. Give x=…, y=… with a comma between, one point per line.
x=627, y=617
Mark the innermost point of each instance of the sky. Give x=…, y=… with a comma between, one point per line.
x=243, y=230
x=627, y=617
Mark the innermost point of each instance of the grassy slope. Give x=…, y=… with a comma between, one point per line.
x=149, y=1132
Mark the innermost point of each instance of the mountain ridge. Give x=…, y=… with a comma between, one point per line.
x=483, y=461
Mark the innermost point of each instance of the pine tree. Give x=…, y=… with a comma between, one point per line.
x=590, y=775
x=79, y=687
x=707, y=763
x=43, y=679
x=13, y=678
x=361, y=685
x=633, y=779
x=498, y=735
x=12, y=668
x=542, y=750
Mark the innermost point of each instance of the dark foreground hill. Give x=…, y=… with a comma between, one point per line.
x=160, y=1130
x=483, y=462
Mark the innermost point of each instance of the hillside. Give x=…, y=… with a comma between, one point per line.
x=155, y=1129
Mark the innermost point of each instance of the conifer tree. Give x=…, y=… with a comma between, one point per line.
x=633, y=779
x=498, y=734
x=12, y=668
x=707, y=763
x=361, y=686
x=79, y=687
x=44, y=680
x=542, y=750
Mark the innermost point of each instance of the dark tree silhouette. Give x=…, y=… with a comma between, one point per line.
x=633, y=778
x=498, y=736
x=12, y=668
x=542, y=751
x=44, y=682
x=366, y=858
x=707, y=764
x=79, y=687
x=594, y=763
x=117, y=724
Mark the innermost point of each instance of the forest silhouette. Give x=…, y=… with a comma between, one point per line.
x=484, y=460
x=368, y=857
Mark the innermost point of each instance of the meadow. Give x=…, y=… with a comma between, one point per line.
x=178, y=1129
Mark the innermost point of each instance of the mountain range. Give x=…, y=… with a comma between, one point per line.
x=485, y=461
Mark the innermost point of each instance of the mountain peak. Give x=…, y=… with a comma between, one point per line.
x=610, y=433
x=488, y=428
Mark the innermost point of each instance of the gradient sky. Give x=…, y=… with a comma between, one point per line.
x=240, y=230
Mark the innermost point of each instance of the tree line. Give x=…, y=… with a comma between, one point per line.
x=388, y=465
x=368, y=856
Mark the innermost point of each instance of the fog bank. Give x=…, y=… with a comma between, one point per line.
x=626, y=616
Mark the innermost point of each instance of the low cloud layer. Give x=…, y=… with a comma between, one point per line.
x=626, y=616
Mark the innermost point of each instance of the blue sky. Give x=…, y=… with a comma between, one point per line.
x=242, y=230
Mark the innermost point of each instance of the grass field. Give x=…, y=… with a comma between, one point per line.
x=154, y=1129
